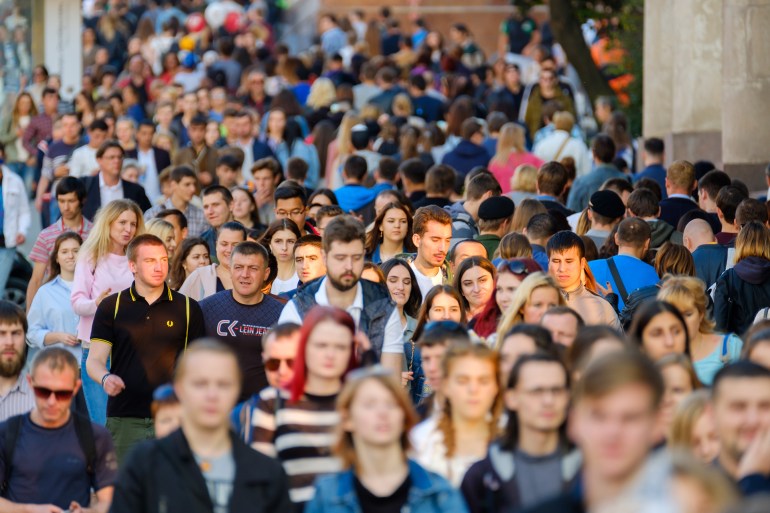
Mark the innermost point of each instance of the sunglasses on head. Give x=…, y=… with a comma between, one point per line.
x=60, y=395
x=513, y=266
x=273, y=364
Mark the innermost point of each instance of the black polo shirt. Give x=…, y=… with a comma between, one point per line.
x=146, y=341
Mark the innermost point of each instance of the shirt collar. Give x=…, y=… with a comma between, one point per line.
x=322, y=298
x=166, y=295
x=685, y=196
x=102, y=183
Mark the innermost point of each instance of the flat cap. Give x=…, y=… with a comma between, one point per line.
x=496, y=207
x=607, y=204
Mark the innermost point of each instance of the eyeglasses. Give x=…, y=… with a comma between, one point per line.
x=273, y=364
x=45, y=393
x=293, y=213
x=513, y=266
x=164, y=393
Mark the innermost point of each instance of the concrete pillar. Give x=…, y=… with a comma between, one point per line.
x=746, y=90
x=63, y=43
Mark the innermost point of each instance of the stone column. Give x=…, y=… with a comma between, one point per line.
x=746, y=90
x=63, y=44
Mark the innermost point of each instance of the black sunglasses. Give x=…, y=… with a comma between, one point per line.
x=60, y=395
x=513, y=266
x=273, y=364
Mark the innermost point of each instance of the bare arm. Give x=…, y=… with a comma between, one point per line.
x=393, y=361
x=96, y=365
x=38, y=271
x=7, y=506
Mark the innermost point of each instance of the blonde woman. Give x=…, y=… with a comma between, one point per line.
x=710, y=351
x=319, y=100
x=165, y=232
x=102, y=269
x=511, y=153
x=523, y=183
x=534, y=296
x=692, y=428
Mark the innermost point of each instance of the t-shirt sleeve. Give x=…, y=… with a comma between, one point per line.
x=394, y=335
x=39, y=253
x=103, y=328
x=106, y=460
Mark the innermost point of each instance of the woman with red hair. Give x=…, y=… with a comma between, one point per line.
x=297, y=425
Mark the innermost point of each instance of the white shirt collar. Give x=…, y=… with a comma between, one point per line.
x=103, y=184
x=322, y=298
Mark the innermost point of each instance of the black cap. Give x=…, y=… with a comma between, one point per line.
x=607, y=204
x=496, y=207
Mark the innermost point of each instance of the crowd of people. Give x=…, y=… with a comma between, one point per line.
x=386, y=274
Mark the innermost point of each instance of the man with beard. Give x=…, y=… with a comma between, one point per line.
x=16, y=395
x=368, y=303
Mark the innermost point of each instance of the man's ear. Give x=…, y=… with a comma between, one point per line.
x=416, y=239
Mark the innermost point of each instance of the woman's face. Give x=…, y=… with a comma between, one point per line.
x=123, y=229
x=242, y=204
x=541, y=299
x=506, y=285
x=282, y=245
x=375, y=416
x=705, y=442
x=513, y=348
x=477, y=285
x=327, y=351
x=67, y=256
x=444, y=308
x=678, y=386
x=663, y=335
x=165, y=115
x=399, y=284
x=395, y=225
x=692, y=317
x=471, y=387
x=197, y=257
x=25, y=104
x=212, y=133
x=170, y=244
x=276, y=122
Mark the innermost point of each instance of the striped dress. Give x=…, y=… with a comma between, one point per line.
x=300, y=435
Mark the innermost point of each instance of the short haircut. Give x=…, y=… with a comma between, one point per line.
x=146, y=239
x=603, y=148
x=282, y=330
x=413, y=170
x=750, y=210
x=742, y=369
x=106, y=145
x=469, y=128
x=249, y=248
x=643, y=203
x=418, y=82
x=440, y=180
x=565, y=310
x=205, y=345
x=230, y=161
x=268, y=163
x=388, y=169
x=309, y=240
x=355, y=167
x=344, y=228
x=181, y=219
x=482, y=183
x=296, y=169
x=634, y=231
x=233, y=226
x=618, y=185
x=328, y=211
x=180, y=172
x=70, y=184
x=289, y=190
x=98, y=124
x=49, y=90
x=219, y=189
x=57, y=359
x=495, y=121
x=728, y=200
x=424, y=215
x=654, y=146
x=616, y=370
x=552, y=178
x=564, y=241
x=713, y=182
x=541, y=226
x=444, y=335
x=11, y=313
x=681, y=173
x=650, y=185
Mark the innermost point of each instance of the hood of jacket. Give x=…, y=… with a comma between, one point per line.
x=661, y=232
x=754, y=270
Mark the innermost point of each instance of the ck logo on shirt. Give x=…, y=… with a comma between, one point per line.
x=234, y=328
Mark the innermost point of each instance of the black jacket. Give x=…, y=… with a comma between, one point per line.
x=740, y=293
x=671, y=209
x=162, y=476
x=132, y=191
x=162, y=158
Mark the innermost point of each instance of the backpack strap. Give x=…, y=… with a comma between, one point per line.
x=725, y=357
x=12, y=429
x=85, y=433
x=618, y=281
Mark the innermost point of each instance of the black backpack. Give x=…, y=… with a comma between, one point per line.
x=85, y=434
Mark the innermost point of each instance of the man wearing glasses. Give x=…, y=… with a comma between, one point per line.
x=291, y=203
x=52, y=458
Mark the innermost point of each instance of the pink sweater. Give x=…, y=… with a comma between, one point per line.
x=504, y=173
x=111, y=272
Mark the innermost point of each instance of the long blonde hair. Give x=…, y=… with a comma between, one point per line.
x=520, y=298
x=322, y=93
x=97, y=245
x=511, y=140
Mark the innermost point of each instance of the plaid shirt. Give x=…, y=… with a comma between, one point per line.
x=196, y=221
x=43, y=247
x=39, y=129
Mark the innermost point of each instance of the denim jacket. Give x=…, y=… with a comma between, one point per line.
x=429, y=493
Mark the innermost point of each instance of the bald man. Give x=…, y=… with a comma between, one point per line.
x=711, y=259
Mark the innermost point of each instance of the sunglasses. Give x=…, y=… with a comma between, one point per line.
x=513, y=266
x=273, y=364
x=60, y=395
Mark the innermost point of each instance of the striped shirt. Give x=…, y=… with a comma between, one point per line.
x=43, y=247
x=196, y=221
x=300, y=435
x=19, y=399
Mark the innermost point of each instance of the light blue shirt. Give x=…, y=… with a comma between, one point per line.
x=51, y=310
x=728, y=351
x=633, y=273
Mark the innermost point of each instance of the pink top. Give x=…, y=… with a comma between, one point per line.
x=504, y=173
x=111, y=272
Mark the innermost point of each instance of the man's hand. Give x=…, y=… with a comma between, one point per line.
x=41, y=508
x=262, y=197
x=113, y=385
x=39, y=203
x=61, y=171
x=103, y=295
x=61, y=337
x=406, y=377
x=20, y=238
x=756, y=459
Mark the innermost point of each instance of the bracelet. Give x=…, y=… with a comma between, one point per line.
x=105, y=377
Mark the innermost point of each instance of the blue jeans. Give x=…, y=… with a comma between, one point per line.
x=7, y=256
x=27, y=173
x=96, y=397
